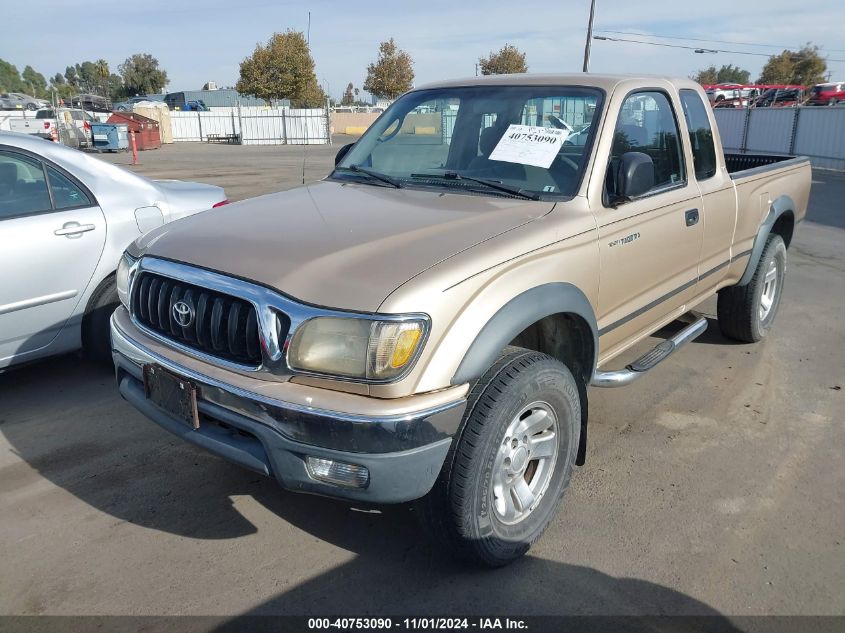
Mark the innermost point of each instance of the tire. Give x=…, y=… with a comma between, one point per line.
x=96, y=333
x=746, y=313
x=31, y=107
x=462, y=511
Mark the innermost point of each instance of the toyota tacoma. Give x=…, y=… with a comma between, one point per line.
x=424, y=324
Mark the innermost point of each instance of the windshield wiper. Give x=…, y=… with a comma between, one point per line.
x=493, y=184
x=390, y=180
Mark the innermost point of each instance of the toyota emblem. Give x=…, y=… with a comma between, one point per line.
x=183, y=313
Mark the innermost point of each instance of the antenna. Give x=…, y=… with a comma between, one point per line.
x=305, y=117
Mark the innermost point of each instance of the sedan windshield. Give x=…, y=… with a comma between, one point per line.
x=525, y=141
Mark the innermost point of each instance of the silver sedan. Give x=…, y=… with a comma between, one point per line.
x=65, y=219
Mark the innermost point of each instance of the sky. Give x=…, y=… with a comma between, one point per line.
x=205, y=41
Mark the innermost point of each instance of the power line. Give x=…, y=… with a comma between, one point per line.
x=701, y=39
x=697, y=49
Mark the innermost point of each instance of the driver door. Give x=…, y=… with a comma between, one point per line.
x=650, y=246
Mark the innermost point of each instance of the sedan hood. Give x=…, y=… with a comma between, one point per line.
x=340, y=245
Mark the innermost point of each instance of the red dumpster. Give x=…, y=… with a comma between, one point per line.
x=147, y=134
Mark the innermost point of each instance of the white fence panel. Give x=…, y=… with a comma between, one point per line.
x=254, y=125
x=185, y=126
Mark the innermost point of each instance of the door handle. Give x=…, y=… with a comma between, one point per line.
x=73, y=230
x=691, y=217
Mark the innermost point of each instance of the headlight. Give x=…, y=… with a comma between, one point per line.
x=125, y=271
x=366, y=349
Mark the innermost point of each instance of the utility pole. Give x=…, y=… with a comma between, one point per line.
x=308, y=33
x=589, y=36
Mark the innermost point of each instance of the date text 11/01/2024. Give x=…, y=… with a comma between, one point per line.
x=425, y=623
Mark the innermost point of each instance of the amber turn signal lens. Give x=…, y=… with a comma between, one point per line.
x=406, y=343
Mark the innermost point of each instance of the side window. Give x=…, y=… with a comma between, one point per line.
x=66, y=195
x=647, y=124
x=700, y=134
x=23, y=188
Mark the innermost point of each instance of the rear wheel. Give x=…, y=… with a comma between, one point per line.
x=508, y=469
x=746, y=313
x=96, y=332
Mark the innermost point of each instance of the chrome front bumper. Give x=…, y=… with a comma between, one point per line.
x=403, y=452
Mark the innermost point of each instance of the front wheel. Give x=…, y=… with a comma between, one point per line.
x=96, y=332
x=509, y=467
x=746, y=313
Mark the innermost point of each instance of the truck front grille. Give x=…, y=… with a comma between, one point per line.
x=208, y=321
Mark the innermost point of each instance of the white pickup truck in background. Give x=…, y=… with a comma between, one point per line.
x=72, y=126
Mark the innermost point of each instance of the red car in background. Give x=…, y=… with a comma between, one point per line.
x=827, y=94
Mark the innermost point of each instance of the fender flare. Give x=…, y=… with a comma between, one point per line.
x=782, y=204
x=516, y=315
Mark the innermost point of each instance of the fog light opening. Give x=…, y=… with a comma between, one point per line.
x=337, y=473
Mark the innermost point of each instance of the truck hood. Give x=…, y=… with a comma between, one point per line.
x=341, y=245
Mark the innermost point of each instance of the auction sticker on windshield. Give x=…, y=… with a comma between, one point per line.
x=529, y=145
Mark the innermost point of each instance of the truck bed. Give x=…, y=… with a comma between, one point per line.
x=740, y=164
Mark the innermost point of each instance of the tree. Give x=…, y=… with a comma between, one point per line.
x=348, y=95
x=10, y=79
x=34, y=81
x=141, y=74
x=391, y=74
x=804, y=67
x=115, y=88
x=706, y=77
x=282, y=69
x=508, y=60
x=101, y=77
x=59, y=85
x=71, y=76
x=727, y=74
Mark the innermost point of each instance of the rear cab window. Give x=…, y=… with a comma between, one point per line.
x=700, y=134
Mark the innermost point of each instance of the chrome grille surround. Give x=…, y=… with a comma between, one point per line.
x=277, y=315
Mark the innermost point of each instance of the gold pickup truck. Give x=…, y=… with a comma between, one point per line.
x=424, y=324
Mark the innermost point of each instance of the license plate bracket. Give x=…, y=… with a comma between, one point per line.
x=172, y=394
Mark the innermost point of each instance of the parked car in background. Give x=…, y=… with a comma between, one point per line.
x=126, y=106
x=92, y=103
x=20, y=101
x=194, y=106
x=827, y=94
x=72, y=127
x=779, y=98
x=65, y=219
x=424, y=323
x=178, y=101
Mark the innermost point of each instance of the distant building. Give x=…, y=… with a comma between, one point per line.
x=219, y=98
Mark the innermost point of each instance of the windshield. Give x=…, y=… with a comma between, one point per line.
x=531, y=139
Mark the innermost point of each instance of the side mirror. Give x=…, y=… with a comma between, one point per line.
x=635, y=176
x=343, y=151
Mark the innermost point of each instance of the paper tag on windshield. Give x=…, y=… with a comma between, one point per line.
x=529, y=145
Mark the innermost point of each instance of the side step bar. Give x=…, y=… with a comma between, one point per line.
x=650, y=359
